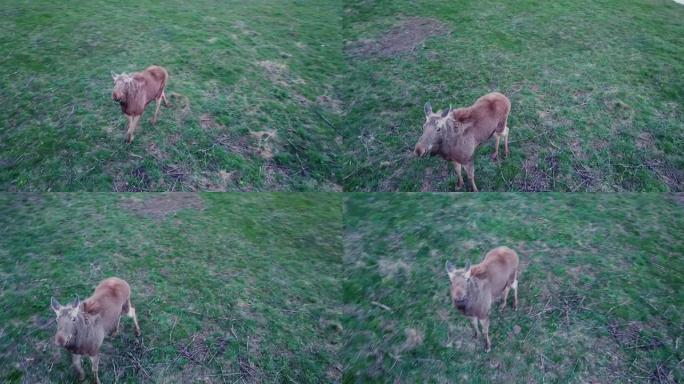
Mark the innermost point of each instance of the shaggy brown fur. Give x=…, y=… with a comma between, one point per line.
x=83, y=325
x=455, y=134
x=473, y=289
x=134, y=91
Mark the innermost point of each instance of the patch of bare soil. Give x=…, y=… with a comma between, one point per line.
x=237, y=145
x=279, y=73
x=390, y=268
x=330, y=103
x=667, y=173
x=632, y=335
x=414, y=338
x=536, y=179
x=404, y=37
x=265, y=143
x=645, y=141
x=159, y=206
x=208, y=122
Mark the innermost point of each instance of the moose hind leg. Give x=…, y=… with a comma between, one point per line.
x=131, y=314
x=514, y=286
x=505, y=135
x=76, y=361
x=496, y=146
x=156, y=111
x=505, y=297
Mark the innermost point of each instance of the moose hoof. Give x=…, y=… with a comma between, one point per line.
x=459, y=186
x=494, y=156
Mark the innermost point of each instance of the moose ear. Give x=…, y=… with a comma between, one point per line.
x=450, y=270
x=446, y=112
x=467, y=270
x=428, y=109
x=55, y=305
x=114, y=75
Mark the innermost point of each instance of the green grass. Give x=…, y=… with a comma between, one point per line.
x=600, y=288
x=243, y=290
x=596, y=90
x=244, y=66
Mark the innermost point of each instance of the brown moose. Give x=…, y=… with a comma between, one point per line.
x=134, y=91
x=475, y=288
x=83, y=325
x=455, y=134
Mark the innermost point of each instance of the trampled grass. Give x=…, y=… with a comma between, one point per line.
x=597, y=89
x=228, y=287
x=600, y=288
x=252, y=83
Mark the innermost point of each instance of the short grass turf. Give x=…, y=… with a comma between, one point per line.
x=231, y=288
x=597, y=89
x=600, y=288
x=252, y=105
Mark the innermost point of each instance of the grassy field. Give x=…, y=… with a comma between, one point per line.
x=596, y=90
x=251, y=87
x=600, y=288
x=228, y=287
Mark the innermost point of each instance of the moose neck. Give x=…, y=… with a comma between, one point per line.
x=450, y=138
x=476, y=292
x=85, y=338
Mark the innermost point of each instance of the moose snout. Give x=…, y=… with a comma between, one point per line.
x=420, y=150
x=116, y=96
x=60, y=340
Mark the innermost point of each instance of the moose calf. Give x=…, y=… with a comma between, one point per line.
x=473, y=289
x=134, y=91
x=82, y=325
x=455, y=134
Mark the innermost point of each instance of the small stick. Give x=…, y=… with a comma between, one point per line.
x=383, y=306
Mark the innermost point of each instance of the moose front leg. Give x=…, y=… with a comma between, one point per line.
x=473, y=320
x=76, y=361
x=132, y=125
x=485, y=330
x=457, y=165
x=95, y=362
x=470, y=170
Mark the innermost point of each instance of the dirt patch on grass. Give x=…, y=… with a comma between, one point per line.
x=265, y=142
x=645, y=141
x=239, y=145
x=279, y=73
x=331, y=104
x=404, y=37
x=633, y=335
x=390, y=268
x=414, y=339
x=159, y=206
x=536, y=179
x=207, y=122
